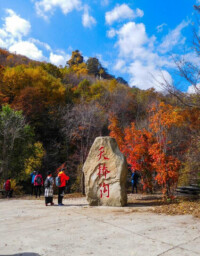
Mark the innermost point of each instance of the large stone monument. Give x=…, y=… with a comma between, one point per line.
x=105, y=172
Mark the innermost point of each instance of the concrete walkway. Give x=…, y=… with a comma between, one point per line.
x=27, y=227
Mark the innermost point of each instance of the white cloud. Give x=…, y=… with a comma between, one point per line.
x=87, y=20
x=104, y=63
x=28, y=49
x=120, y=66
x=111, y=33
x=139, y=58
x=161, y=27
x=3, y=33
x=15, y=25
x=48, y=6
x=12, y=36
x=58, y=59
x=16, y=40
x=131, y=37
x=149, y=76
x=192, y=89
x=39, y=43
x=122, y=12
x=144, y=58
x=173, y=38
x=139, y=13
x=191, y=57
x=3, y=38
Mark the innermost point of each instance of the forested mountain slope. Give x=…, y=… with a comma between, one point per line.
x=52, y=115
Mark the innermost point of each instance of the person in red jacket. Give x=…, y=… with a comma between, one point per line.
x=61, y=188
x=7, y=186
x=38, y=183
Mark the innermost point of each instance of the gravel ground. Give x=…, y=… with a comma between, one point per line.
x=29, y=228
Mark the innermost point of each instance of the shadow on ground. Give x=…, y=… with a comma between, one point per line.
x=140, y=200
x=68, y=205
x=22, y=254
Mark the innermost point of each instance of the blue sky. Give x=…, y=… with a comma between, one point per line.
x=133, y=39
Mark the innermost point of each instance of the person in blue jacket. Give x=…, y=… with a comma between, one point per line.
x=33, y=174
x=134, y=181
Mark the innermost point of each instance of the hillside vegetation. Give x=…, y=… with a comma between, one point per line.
x=52, y=115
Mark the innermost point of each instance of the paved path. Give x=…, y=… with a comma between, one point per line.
x=29, y=228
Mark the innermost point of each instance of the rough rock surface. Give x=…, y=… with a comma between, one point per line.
x=105, y=172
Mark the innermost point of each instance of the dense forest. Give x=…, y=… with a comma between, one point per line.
x=51, y=115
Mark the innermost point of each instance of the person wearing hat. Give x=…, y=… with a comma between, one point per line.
x=61, y=188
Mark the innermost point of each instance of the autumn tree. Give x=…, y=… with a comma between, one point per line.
x=76, y=59
x=96, y=69
x=80, y=69
x=52, y=69
x=135, y=145
x=120, y=101
x=82, y=124
x=32, y=102
x=116, y=131
x=94, y=66
x=34, y=162
x=83, y=90
x=15, y=136
x=15, y=79
x=190, y=169
x=163, y=118
x=151, y=152
x=76, y=64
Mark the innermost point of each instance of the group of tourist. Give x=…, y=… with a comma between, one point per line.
x=37, y=182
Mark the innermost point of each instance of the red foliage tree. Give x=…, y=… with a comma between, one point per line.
x=150, y=152
x=134, y=144
x=163, y=118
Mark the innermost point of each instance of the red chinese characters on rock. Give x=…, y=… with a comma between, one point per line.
x=103, y=171
x=101, y=154
x=104, y=189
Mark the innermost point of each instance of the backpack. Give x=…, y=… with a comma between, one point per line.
x=38, y=180
x=7, y=185
x=47, y=183
x=58, y=181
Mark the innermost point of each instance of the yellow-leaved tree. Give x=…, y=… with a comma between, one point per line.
x=34, y=162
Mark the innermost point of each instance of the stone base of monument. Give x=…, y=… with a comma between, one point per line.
x=105, y=172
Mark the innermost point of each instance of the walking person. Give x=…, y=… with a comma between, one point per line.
x=61, y=183
x=48, y=192
x=38, y=183
x=33, y=174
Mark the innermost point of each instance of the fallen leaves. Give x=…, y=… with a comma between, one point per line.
x=180, y=207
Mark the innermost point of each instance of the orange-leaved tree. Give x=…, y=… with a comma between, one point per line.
x=164, y=119
x=115, y=131
x=134, y=144
x=151, y=152
x=136, y=149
